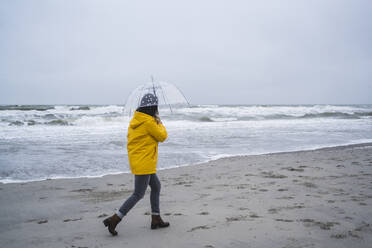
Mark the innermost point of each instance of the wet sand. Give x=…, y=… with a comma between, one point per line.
x=319, y=198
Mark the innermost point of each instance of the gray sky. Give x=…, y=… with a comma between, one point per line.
x=252, y=52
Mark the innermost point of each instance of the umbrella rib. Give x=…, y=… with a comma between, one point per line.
x=126, y=102
x=140, y=96
x=188, y=103
x=164, y=96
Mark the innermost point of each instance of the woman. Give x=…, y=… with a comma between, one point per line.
x=144, y=132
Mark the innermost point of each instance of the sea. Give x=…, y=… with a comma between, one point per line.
x=39, y=142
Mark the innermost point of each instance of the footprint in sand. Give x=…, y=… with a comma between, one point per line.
x=56, y=188
x=102, y=215
x=322, y=225
x=68, y=220
x=73, y=246
x=284, y=220
x=236, y=218
x=273, y=210
x=339, y=236
x=352, y=233
x=202, y=196
x=270, y=174
x=253, y=215
x=276, y=210
x=38, y=221
x=293, y=169
x=243, y=208
x=183, y=183
x=282, y=189
x=249, y=175
x=199, y=228
x=242, y=186
x=81, y=190
x=309, y=185
x=285, y=198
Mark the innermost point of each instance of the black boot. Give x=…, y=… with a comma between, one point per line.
x=111, y=223
x=157, y=222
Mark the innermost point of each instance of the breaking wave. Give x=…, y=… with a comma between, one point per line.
x=33, y=115
x=26, y=107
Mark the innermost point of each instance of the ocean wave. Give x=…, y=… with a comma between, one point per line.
x=84, y=115
x=266, y=112
x=16, y=123
x=26, y=107
x=100, y=120
x=80, y=108
x=49, y=116
x=332, y=114
x=58, y=122
x=22, y=123
x=364, y=113
x=337, y=115
x=205, y=119
x=31, y=122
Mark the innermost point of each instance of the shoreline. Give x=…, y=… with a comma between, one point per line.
x=317, y=198
x=351, y=145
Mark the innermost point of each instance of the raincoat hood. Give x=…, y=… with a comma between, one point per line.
x=139, y=119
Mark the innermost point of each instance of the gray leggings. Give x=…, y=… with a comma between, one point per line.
x=140, y=185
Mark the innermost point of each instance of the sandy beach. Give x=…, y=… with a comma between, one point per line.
x=319, y=198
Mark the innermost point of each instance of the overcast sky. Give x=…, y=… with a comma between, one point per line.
x=237, y=52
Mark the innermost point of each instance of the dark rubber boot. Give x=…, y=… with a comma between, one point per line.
x=157, y=222
x=111, y=223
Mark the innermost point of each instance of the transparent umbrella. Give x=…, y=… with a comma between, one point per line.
x=166, y=94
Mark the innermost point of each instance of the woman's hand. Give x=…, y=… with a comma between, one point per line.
x=157, y=118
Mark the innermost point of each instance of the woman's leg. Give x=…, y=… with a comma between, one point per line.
x=140, y=185
x=155, y=194
x=156, y=220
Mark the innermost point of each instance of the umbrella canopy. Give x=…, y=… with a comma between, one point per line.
x=155, y=93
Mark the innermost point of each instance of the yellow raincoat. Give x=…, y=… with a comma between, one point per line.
x=143, y=137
